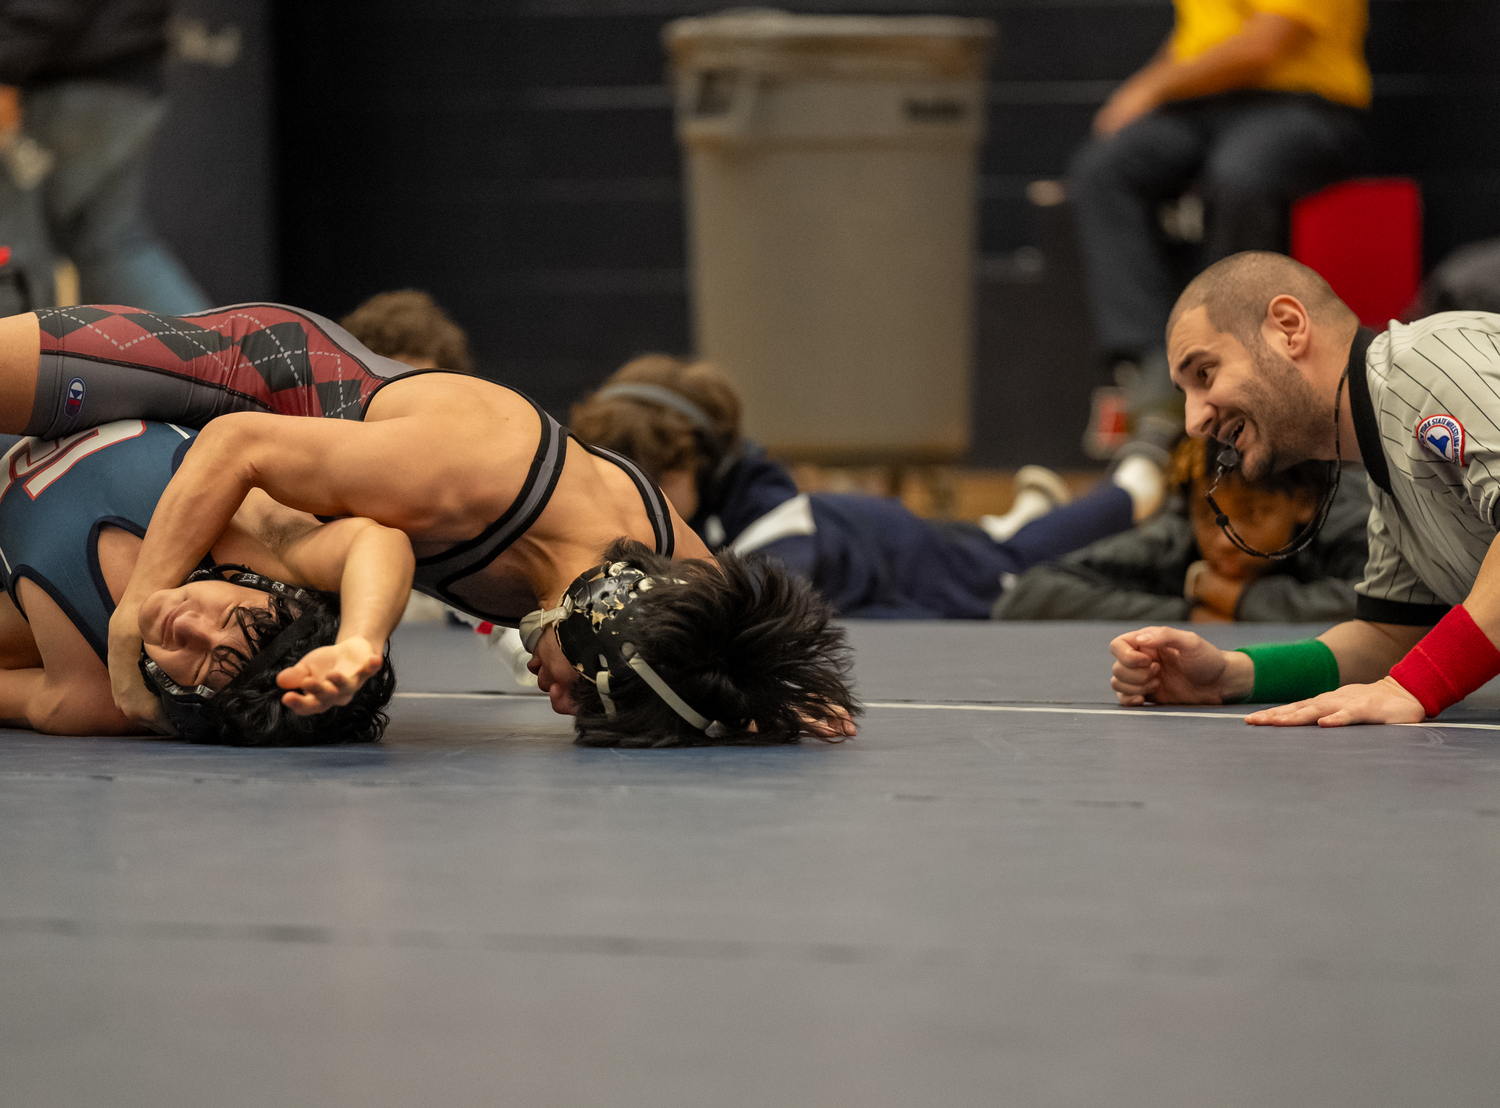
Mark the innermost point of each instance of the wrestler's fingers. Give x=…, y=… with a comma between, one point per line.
x=1134, y=682
x=1128, y=653
x=1136, y=674
x=1298, y=714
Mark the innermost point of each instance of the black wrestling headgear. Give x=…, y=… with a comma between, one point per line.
x=190, y=710
x=595, y=622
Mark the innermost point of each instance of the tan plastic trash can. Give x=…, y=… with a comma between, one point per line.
x=831, y=176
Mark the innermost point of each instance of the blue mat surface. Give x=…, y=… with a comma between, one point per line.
x=1005, y=891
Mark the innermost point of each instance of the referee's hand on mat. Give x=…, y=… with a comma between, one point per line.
x=1382, y=702
x=1165, y=665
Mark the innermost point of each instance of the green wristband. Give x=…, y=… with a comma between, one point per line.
x=1290, y=671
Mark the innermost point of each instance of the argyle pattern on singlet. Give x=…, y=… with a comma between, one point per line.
x=274, y=356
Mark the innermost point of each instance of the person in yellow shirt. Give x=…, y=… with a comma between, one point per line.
x=1253, y=102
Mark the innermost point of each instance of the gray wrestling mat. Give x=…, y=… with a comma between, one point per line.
x=1005, y=892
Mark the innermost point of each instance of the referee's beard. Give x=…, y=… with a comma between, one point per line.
x=1292, y=423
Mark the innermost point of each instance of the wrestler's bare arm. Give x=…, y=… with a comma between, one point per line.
x=370, y=566
x=327, y=467
x=69, y=693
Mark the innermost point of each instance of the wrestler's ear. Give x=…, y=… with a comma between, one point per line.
x=1288, y=326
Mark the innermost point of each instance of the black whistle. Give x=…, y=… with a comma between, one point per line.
x=1229, y=457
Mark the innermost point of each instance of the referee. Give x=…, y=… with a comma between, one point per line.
x=1277, y=368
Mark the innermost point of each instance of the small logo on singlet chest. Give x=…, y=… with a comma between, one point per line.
x=1444, y=436
x=73, y=402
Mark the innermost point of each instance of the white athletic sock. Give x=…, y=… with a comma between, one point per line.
x=1144, y=481
x=1029, y=504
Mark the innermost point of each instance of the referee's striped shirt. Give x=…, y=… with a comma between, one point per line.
x=1427, y=415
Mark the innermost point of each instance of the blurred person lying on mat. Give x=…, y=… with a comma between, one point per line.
x=315, y=601
x=869, y=556
x=575, y=546
x=1178, y=565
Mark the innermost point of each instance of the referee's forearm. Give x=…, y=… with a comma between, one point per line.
x=1366, y=651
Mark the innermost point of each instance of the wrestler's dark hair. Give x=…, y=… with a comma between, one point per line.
x=249, y=712
x=739, y=641
x=1238, y=289
x=409, y=323
x=656, y=437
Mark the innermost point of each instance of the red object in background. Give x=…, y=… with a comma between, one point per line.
x=1365, y=238
x=4, y=255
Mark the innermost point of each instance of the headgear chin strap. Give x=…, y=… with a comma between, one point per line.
x=188, y=709
x=594, y=629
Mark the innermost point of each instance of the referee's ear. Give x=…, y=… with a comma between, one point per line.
x=1288, y=326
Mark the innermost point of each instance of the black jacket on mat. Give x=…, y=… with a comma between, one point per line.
x=1140, y=573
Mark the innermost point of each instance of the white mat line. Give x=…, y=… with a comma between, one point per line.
x=466, y=695
x=1139, y=713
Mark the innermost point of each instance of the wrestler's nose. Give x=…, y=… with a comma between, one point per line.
x=194, y=629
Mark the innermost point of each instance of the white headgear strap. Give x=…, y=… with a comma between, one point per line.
x=534, y=623
x=664, y=690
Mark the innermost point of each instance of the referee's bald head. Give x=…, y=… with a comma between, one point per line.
x=1238, y=289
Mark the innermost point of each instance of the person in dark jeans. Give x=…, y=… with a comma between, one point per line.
x=80, y=100
x=1251, y=103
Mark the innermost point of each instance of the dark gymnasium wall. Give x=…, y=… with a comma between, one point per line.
x=211, y=192
x=517, y=160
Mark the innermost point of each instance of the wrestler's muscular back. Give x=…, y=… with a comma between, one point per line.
x=477, y=442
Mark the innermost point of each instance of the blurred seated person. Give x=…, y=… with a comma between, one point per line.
x=409, y=326
x=1180, y=566
x=81, y=98
x=868, y=555
x=1252, y=102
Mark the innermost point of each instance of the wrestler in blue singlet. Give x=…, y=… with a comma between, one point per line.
x=56, y=495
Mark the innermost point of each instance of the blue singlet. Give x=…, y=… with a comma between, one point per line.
x=57, y=494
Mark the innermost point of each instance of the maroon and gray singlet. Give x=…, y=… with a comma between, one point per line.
x=101, y=363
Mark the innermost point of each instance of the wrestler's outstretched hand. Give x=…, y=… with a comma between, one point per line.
x=329, y=676
x=837, y=724
x=1165, y=665
x=1383, y=702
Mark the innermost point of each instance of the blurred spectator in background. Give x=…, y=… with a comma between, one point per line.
x=80, y=98
x=1253, y=103
x=408, y=325
x=1179, y=565
x=869, y=556
x=1467, y=280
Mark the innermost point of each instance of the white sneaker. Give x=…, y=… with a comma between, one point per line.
x=511, y=658
x=1038, y=491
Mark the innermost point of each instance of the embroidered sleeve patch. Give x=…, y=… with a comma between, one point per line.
x=1444, y=436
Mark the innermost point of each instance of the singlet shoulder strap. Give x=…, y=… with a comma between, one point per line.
x=437, y=572
x=656, y=504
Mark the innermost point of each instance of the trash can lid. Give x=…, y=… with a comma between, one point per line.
x=758, y=24
x=778, y=39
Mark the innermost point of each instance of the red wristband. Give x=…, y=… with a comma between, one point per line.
x=1450, y=662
